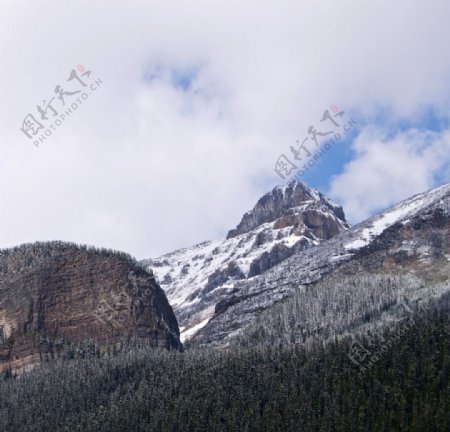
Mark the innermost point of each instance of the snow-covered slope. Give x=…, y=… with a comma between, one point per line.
x=285, y=221
x=411, y=238
x=363, y=233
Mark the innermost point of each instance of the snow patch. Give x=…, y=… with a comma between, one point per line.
x=187, y=334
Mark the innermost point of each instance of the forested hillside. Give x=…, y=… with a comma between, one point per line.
x=339, y=305
x=277, y=388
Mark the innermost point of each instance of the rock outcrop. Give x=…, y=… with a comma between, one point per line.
x=55, y=295
x=281, y=204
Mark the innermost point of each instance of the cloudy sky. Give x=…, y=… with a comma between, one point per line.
x=197, y=100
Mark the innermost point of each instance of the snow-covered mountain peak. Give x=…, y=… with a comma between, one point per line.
x=285, y=221
x=282, y=198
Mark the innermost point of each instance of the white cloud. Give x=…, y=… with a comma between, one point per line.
x=388, y=170
x=146, y=166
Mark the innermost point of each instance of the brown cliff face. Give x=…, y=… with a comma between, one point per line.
x=55, y=294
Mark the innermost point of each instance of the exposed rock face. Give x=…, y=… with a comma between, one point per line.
x=55, y=294
x=412, y=239
x=285, y=221
x=280, y=204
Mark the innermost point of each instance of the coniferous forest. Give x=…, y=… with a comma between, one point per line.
x=261, y=388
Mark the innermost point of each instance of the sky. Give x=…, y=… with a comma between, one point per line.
x=189, y=104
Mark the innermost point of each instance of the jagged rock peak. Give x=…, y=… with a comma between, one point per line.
x=281, y=199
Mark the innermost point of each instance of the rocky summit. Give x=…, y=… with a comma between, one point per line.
x=285, y=221
x=294, y=205
x=56, y=296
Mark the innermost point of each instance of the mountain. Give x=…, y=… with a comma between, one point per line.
x=366, y=275
x=56, y=296
x=348, y=333
x=284, y=222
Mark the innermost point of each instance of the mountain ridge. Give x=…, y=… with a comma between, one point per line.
x=376, y=234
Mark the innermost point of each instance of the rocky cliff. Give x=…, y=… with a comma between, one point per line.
x=53, y=295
